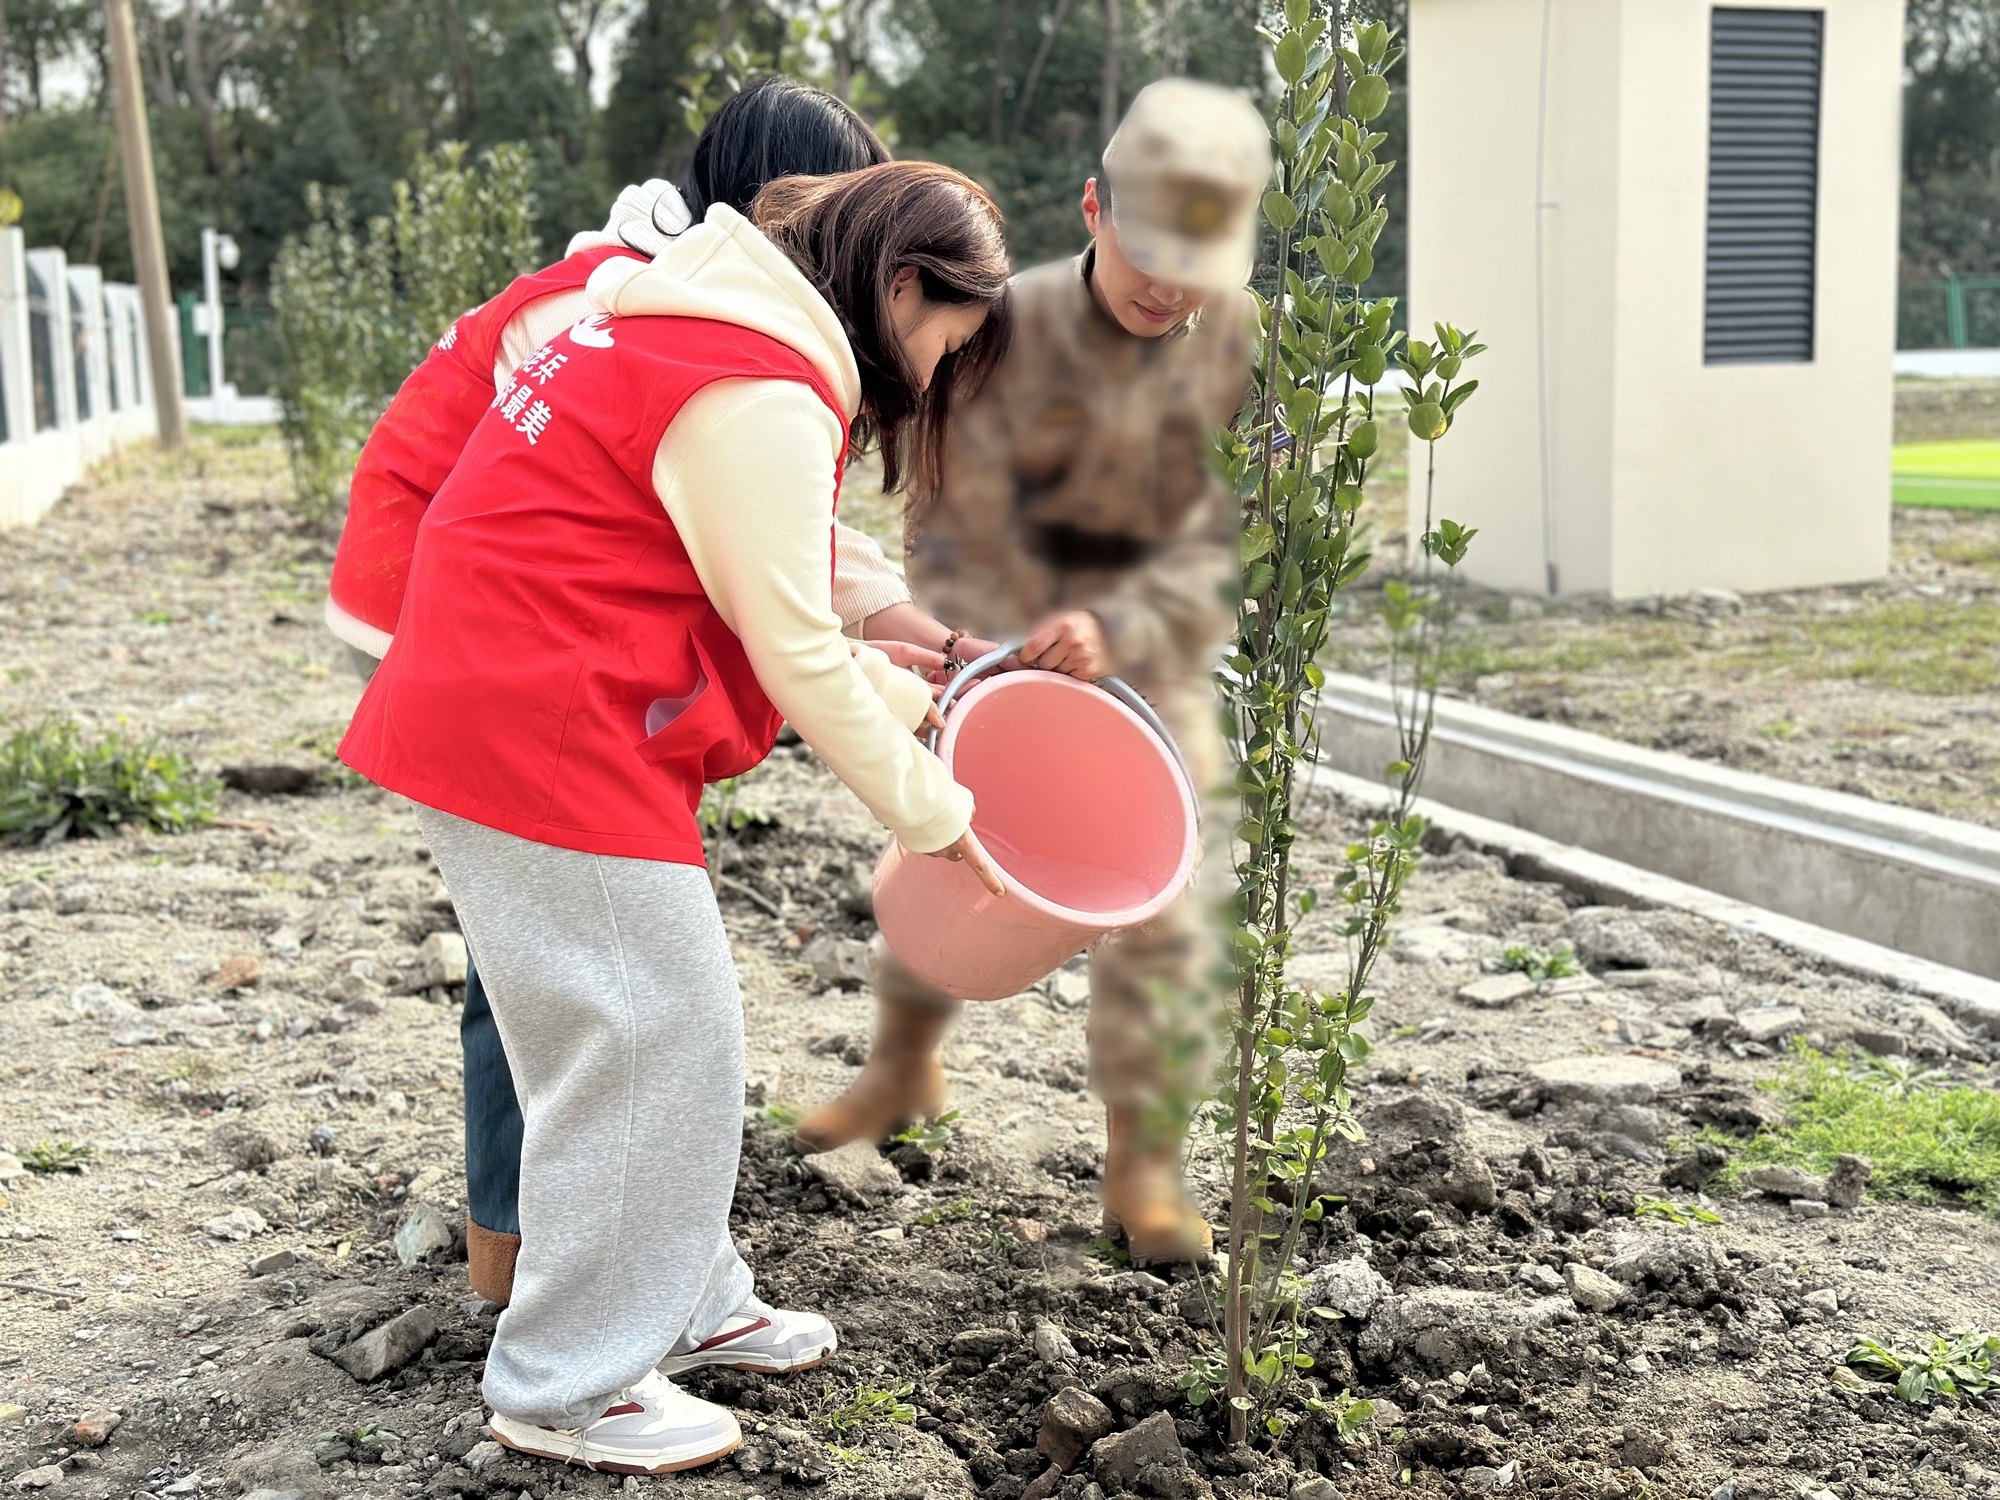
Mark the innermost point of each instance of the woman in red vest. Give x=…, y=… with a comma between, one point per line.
x=617, y=596
x=777, y=127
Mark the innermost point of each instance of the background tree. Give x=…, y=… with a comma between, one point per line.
x=1951, y=139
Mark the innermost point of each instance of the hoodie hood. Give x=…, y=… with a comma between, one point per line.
x=645, y=218
x=726, y=270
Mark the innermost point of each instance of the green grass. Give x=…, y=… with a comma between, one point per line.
x=1929, y=1145
x=1469, y=655
x=1950, y=476
x=1921, y=646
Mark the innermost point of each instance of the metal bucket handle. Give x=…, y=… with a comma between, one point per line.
x=1117, y=687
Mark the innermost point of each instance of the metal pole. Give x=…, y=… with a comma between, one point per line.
x=142, y=210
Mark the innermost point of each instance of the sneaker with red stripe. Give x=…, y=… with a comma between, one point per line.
x=757, y=1336
x=653, y=1428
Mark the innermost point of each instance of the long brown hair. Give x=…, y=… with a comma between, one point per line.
x=850, y=235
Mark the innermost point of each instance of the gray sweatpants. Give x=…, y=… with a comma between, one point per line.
x=616, y=998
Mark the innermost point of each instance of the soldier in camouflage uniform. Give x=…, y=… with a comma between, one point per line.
x=1079, y=507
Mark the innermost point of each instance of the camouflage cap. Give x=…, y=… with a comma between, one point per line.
x=1187, y=169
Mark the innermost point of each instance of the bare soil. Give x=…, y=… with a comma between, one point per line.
x=321, y=1102
x=1885, y=690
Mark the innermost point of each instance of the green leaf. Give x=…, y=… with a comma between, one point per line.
x=1297, y=12
x=1280, y=210
x=1457, y=394
x=1256, y=542
x=1427, y=421
x=1368, y=96
x=1370, y=365
x=1361, y=442
x=1291, y=57
x=1372, y=42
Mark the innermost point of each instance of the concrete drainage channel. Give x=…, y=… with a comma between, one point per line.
x=1901, y=896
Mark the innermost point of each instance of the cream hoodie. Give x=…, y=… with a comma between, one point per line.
x=745, y=472
x=647, y=217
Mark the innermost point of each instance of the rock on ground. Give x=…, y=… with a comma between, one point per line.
x=1073, y=1420
x=1118, y=1460
x=389, y=1347
x=1591, y=1290
x=1453, y=1327
x=1605, y=1079
x=855, y=1172
x=1351, y=1287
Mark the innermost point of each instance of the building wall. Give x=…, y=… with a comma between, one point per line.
x=1663, y=474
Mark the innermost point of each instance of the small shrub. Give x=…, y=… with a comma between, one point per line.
x=47, y=1157
x=57, y=781
x=1539, y=964
x=932, y=1135
x=359, y=306
x=891, y=1405
x=1960, y=1364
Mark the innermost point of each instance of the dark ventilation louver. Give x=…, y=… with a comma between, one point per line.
x=1763, y=185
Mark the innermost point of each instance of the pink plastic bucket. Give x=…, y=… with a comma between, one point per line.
x=1082, y=808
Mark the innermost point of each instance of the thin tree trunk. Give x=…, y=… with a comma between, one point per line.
x=1108, y=107
x=3, y=67
x=204, y=101
x=461, y=59
x=577, y=37
x=160, y=81
x=1041, y=60
x=843, y=65
x=846, y=45
x=996, y=90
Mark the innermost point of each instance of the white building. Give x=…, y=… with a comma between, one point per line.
x=1674, y=224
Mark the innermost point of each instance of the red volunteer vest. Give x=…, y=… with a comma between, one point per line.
x=558, y=672
x=420, y=437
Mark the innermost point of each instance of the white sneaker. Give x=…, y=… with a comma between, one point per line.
x=655, y=1427
x=758, y=1336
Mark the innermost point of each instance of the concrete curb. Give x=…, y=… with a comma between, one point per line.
x=1610, y=882
x=1906, y=879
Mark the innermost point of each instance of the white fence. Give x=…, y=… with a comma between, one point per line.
x=74, y=379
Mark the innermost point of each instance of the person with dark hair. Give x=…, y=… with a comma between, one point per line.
x=620, y=592
x=777, y=127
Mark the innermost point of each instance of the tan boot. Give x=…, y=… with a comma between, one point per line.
x=1143, y=1195
x=490, y=1257
x=903, y=1080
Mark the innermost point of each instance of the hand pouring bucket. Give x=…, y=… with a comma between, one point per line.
x=1083, y=805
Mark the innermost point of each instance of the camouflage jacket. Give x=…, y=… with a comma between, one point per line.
x=1082, y=478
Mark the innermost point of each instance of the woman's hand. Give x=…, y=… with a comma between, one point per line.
x=1072, y=642
x=966, y=849
x=966, y=650
x=903, y=654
